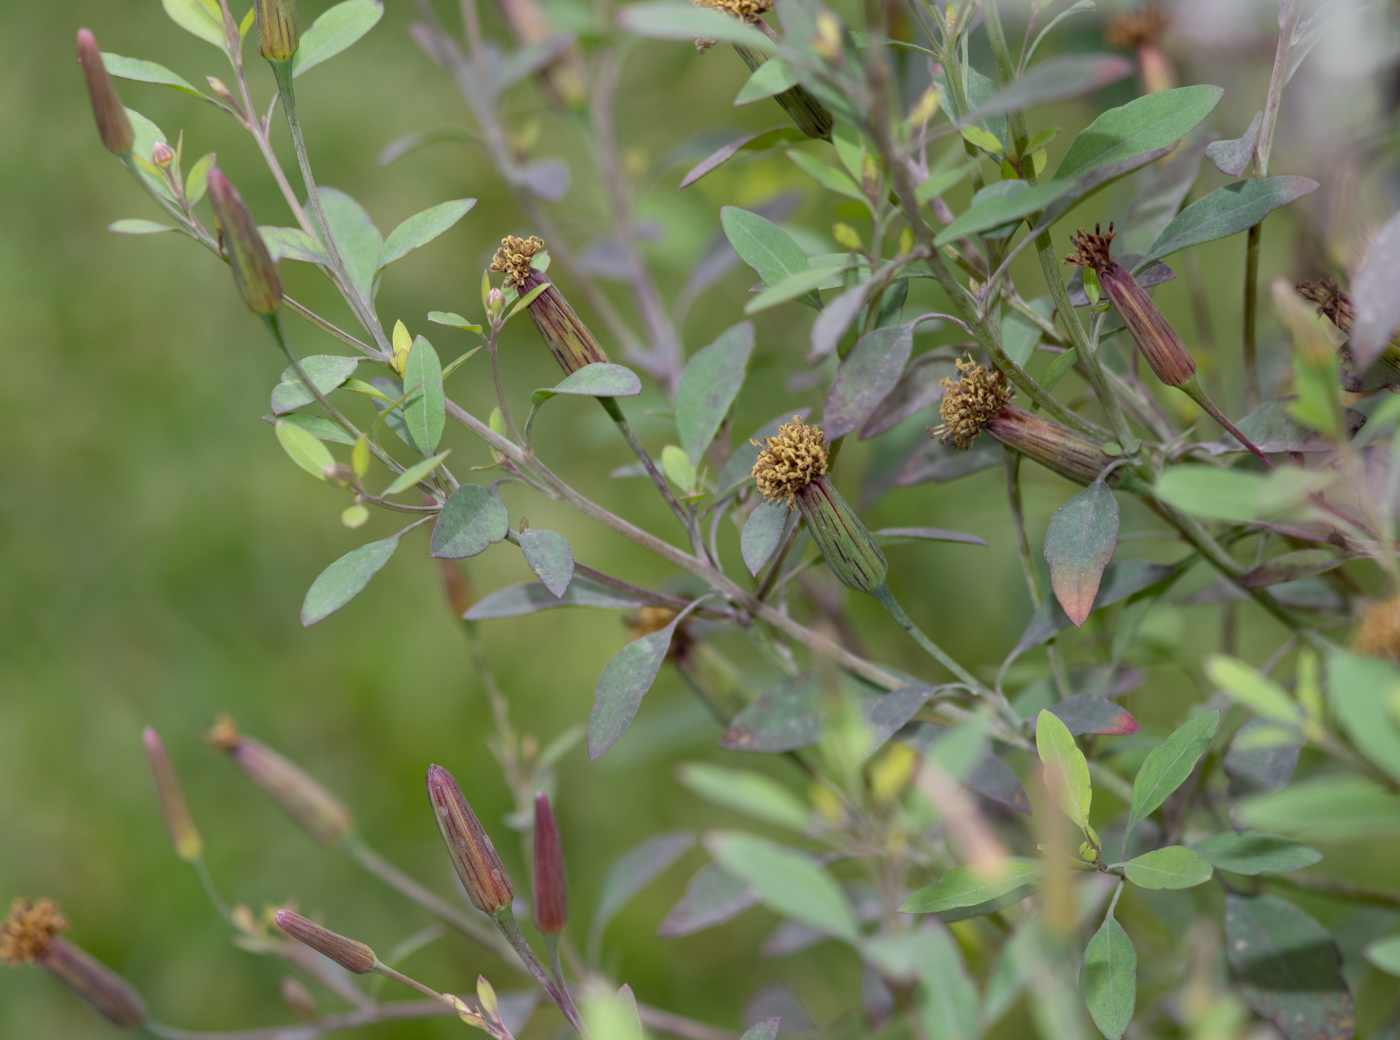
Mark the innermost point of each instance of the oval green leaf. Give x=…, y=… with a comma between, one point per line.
x=787, y=880
x=423, y=412
x=1227, y=211
x=1066, y=763
x=1168, y=765
x=1148, y=123
x=473, y=518
x=343, y=580
x=595, y=380
x=972, y=885
x=1108, y=979
x=421, y=228
x=304, y=449
x=549, y=556
x=710, y=382
x=1255, y=853
x=339, y=28
x=745, y=791
x=1175, y=866
x=622, y=685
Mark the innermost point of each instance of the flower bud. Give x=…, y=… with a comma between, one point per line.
x=1056, y=447
x=162, y=155
x=302, y=798
x=278, y=31
x=299, y=1000
x=339, y=474
x=220, y=88
x=253, y=269
x=568, y=338
x=1159, y=342
x=112, y=123
x=551, y=889
x=178, y=821
x=473, y=855
x=349, y=954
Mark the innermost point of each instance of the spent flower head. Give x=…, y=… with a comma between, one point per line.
x=515, y=257
x=790, y=460
x=1092, y=249
x=29, y=930
x=969, y=401
x=1142, y=28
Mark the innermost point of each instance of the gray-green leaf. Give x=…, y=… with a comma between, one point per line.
x=421, y=228
x=1255, y=853
x=340, y=27
x=1227, y=211
x=763, y=533
x=867, y=375
x=595, y=380
x=787, y=880
x=1150, y=122
x=1175, y=866
x=1079, y=542
x=1167, y=767
x=764, y=246
x=343, y=580
x=708, y=386
x=549, y=556
x=973, y=885
x=473, y=518
x=622, y=685
x=423, y=411
x=673, y=20
x=1108, y=979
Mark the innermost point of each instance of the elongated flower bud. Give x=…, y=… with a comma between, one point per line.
x=278, y=31
x=473, y=855
x=792, y=466
x=302, y=798
x=107, y=107
x=563, y=78
x=551, y=889
x=1159, y=342
x=178, y=821
x=253, y=270
x=349, y=954
x=29, y=935
x=568, y=338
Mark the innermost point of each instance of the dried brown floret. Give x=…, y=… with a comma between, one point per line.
x=1379, y=633
x=1091, y=250
x=968, y=402
x=224, y=736
x=1142, y=28
x=514, y=258
x=747, y=10
x=645, y=621
x=1332, y=301
x=791, y=460
x=28, y=931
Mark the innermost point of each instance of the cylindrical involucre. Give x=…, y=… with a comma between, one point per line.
x=349, y=954
x=551, y=889
x=473, y=855
x=107, y=107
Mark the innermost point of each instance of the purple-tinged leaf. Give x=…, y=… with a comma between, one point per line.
x=1272, y=429
x=473, y=518
x=1235, y=208
x=897, y=535
x=547, y=178
x=1091, y=713
x=992, y=778
x=710, y=382
x=916, y=390
x=712, y=897
x=785, y=717
x=548, y=554
x=1291, y=566
x=866, y=376
x=887, y=714
x=763, y=533
x=1078, y=545
x=1160, y=193
x=1056, y=79
x=1120, y=580
x=531, y=596
x=633, y=871
x=1262, y=757
x=748, y=143
x=835, y=319
x=1288, y=968
x=1374, y=297
x=622, y=685
x=941, y=463
x=1232, y=158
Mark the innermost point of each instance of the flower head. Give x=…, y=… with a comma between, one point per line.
x=1142, y=28
x=969, y=401
x=1379, y=632
x=514, y=258
x=1092, y=250
x=28, y=931
x=791, y=460
x=745, y=10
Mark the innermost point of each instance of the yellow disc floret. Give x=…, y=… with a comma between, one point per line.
x=514, y=258
x=791, y=460
x=968, y=402
x=28, y=931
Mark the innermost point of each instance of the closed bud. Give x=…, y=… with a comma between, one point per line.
x=567, y=337
x=178, y=821
x=473, y=855
x=107, y=108
x=253, y=270
x=302, y=798
x=278, y=31
x=299, y=1000
x=339, y=474
x=551, y=889
x=162, y=155
x=220, y=88
x=349, y=954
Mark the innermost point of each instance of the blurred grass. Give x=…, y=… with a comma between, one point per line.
x=155, y=543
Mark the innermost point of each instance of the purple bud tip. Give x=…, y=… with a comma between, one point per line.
x=112, y=123
x=551, y=889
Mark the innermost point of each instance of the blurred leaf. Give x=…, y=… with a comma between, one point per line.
x=321, y=429
x=916, y=390
x=141, y=71
x=1227, y=211
x=1239, y=495
x=337, y=29
x=614, y=1017
x=836, y=317
x=1055, y=79
x=197, y=181
x=633, y=871
x=772, y=77
x=595, y=380
x=1108, y=978
x=866, y=377
x=1093, y=713
x=199, y=17
x=285, y=243
x=1385, y=954
x=1291, y=566
x=971, y=885
x=992, y=778
x=939, y=183
x=473, y=518
x=765, y=1030
x=787, y=880
x=802, y=284
x=1288, y=968
x=1065, y=762
x=1168, y=765
x=712, y=897
x=665, y=20
x=304, y=449
x=942, y=463
x=423, y=411
x=1332, y=808
x=1160, y=193
x=763, y=533
x=947, y=996
x=622, y=685
x=528, y=60
x=1232, y=158
x=415, y=473
x=1078, y=545
x=1150, y=122
x=1374, y=297
x=745, y=791
x=827, y=176
x=784, y=717
x=709, y=383
x=678, y=468
x=901, y=535
x=136, y=226
x=1175, y=866
x=1273, y=429
x=1257, y=693
x=529, y=597
x=887, y=714
x=421, y=228
x=1007, y=206
x=1364, y=693
x=748, y=143
x=1262, y=756
x=1255, y=853
x=760, y=243
x=345, y=579
x=146, y=134
x=549, y=556
x=1019, y=335
x=356, y=237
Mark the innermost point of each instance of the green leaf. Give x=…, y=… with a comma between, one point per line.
x=595, y=380
x=549, y=556
x=939, y=183
x=145, y=135
x=678, y=468
x=197, y=180
x=285, y=243
x=745, y=791
x=633, y=871
x=1231, y=494
x=764, y=246
x=1288, y=968
x=321, y=429
x=137, y=226
x=1144, y=125
x=456, y=321
x=343, y=580
x=973, y=885
x=946, y=996
x=139, y=70
x=1108, y=979
x=1175, y=866
x=1066, y=763
x=1385, y=954
x=1227, y=211
x=304, y=449
x=356, y=237
x=421, y=228
x=473, y=518
x=802, y=284
x=1056, y=79
x=326, y=372
x=827, y=176
x=423, y=412
x=787, y=881
x=865, y=378
x=1254, y=691
x=713, y=896
x=1365, y=692
x=1256, y=853
x=1327, y=809
x=999, y=209
x=1168, y=765
x=708, y=385
x=763, y=533
x=747, y=143
x=530, y=596
x=765, y=1030
x=338, y=28
x=623, y=683
x=200, y=17
x=667, y=20
x=414, y=474
x=615, y=1017
x=1079, y=542
x=772, y=77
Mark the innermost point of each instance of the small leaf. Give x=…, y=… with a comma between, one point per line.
x=321, y=429
x=1255, y=853
x=1175, y=866
x=141, y=71
x=547, y=178
x=622, y=685
x=900, y=535
x=136, y=226
x=1227, y=211
x=1094, y=713
x=1108, y=979
x=1254, y=691
x=1232, y=158
x=284, y=243
x=414, y=474
x=784, y=717
x=473, y=518
x=1364, y=692
x=712, y=897
x=1078, y=545
x=1065, y=762
x=304, y=449
x=1120, y=580
x=197, y=180
x=633, y=871
x=763, y=533
x=1372, y=294
x=827, y=176
x=787, y=880
x=765, y=1030
x=338, y=28
x=667, y=20
x=595, y=380
x=326, y=372
x=195, y=16
x=745, y=791
x=1150, y=122
x=345, y=579
x=708, y=386
x=1292, y=566
x=549, y=556
x=529, y=597
x=421, y=228
x=1168, y=765
x=747, y=143
x=456, y=321
x=867, y=375
x=772, y=77
x=1002, y=208
x=973, y=885
x=1055, y=79
x=423, y=412
x=1385, y=954
x=761, y=244
x=1325, y=809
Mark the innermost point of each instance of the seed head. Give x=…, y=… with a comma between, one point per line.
x=349, y=954
x=1379, y=633
x=968, y=402
x=112, y=123
x=474, y=857
x=29, y=930
x=1092, y=250
x=514, y=258
x=791, y=460
x=1142, y=28
x=551, y=889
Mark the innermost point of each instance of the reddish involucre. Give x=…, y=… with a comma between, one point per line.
x=110, y=995
x=551, y=888
x=107, y=108
x=349, y=954
x=473, y=855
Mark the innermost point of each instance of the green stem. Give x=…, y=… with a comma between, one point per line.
x=614, y=410
x=505, y=921
x=1011, y=464
x=1252, y=391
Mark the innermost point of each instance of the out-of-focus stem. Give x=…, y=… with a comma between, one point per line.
x=393, y=1011
x=505, y=921
x=1011, y=463
x=1253, y=393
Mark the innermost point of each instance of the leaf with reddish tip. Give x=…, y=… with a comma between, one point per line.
x=1078, y=545
x=1092, y=713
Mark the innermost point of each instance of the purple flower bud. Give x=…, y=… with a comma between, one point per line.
x=551, y=889
x=474, y=857
x=349, y=954
x=107, y=107
x=253, y=269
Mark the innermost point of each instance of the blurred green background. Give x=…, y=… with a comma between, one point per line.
x=155, y=543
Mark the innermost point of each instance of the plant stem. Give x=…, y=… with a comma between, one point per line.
x=1011, y=465
x=886, y=599
x=1252, y=393
x=505, y=921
